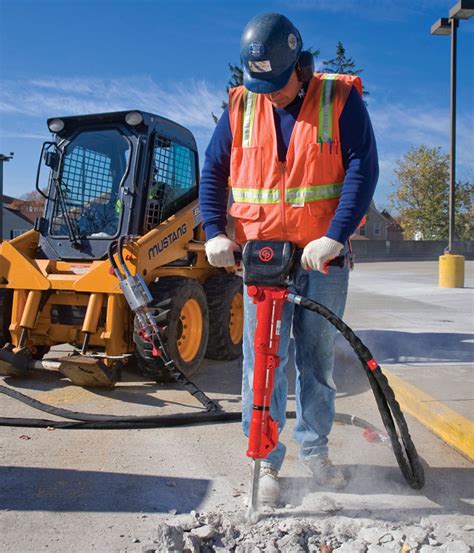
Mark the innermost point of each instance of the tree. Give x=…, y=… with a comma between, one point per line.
x=343, y=64
x=422, y=196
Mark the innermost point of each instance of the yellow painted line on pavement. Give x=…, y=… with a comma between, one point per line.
x=454, y=429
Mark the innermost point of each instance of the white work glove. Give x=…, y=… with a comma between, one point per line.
x=220, y=251
x=319, y=252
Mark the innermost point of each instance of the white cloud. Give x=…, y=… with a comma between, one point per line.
x=26, y=135
x=406, y=126
x=189, y=103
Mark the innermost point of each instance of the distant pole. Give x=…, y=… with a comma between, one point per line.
x=451, y=266
x=3, y=158
x=452, y=177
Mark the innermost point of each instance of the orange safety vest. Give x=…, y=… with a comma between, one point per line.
x=294, y=200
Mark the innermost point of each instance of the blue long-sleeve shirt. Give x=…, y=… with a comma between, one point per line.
x=359, y=154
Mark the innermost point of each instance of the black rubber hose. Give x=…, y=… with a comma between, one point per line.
x=174, y=371
x=179, y=377
x=392, y=416
x=112, y=422
x=110, y=254
x=123, y=265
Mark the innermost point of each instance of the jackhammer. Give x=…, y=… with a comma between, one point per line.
x=268, y=267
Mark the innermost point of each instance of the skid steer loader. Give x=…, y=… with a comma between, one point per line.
x=129, y=178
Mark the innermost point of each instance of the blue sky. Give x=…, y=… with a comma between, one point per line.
x=61, y=57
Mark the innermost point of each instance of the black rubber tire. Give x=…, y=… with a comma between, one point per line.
x=221, y=291
x=171, y=293
x=6, y=298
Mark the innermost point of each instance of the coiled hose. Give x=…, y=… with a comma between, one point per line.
x=389, y=408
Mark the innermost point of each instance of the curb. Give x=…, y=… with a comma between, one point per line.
x=454, y=429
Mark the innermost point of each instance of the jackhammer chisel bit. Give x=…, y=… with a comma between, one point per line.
x=252, y=510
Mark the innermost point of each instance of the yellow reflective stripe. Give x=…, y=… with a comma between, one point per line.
x=326, y=104
x=249, y=113
x=293, y=195
x=255, y=195
x=312, y=193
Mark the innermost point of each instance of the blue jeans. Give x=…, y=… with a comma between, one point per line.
x=313, y=345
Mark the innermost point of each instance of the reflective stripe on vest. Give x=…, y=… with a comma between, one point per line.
x=313, y=193
x=292, y=195
x=326, y=104
x=255, y=195
x=249, y=112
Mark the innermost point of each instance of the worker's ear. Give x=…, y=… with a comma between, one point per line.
x=305, y=66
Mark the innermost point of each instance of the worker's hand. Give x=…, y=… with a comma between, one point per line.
x=220, y=251
x=319, y=252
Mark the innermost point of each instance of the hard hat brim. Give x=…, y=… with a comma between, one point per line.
x=263, y=86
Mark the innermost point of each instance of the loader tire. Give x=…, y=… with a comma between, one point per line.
x=186, y=327
x=226, y=314
x=6, y=298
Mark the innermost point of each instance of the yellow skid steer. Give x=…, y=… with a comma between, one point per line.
x=121, y=186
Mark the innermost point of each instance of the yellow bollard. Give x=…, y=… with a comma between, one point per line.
x=451, y=271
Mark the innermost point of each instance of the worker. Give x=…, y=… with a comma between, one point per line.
x=300, y=152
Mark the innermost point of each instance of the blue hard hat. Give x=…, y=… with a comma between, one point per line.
x=270, y=47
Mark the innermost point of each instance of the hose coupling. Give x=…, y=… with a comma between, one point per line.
x=294, y=298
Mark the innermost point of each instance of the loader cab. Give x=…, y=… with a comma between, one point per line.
x=112, y=174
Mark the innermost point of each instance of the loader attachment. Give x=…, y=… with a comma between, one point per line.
x=88, y=371
x=14, y=361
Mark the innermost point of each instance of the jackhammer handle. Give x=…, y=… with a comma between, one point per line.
x=339, y=261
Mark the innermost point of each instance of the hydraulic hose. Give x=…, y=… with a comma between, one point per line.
x=392, y=416
x=110, y=255
x=137, y=298
x=112, y=422
x=123, y=265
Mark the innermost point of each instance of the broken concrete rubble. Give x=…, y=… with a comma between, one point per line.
x=279, y=532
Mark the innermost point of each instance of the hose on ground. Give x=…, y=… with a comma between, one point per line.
x=112, y=422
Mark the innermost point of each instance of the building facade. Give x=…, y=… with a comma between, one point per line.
x=14, y=221
x=379, y=226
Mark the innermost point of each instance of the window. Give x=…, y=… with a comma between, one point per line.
x=17, y=232
x=377, y=229
x=362, y=230
x=93, y=167
x=172, y=183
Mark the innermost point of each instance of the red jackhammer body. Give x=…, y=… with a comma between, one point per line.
x=263, y=432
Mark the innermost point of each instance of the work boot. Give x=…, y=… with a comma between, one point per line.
x=268, y=486
x=324, y=472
